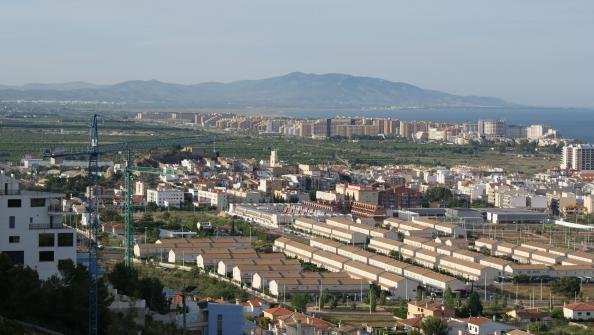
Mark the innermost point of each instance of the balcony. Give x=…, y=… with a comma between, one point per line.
x=55, y=209
x=37, y=226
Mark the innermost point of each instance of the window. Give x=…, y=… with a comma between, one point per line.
x=30, y=220
x=46, y=256
x=65, y=239
x=46, y=240
x=219, y=324
x=14, y=239
x=13, y=203
x=37, y=202
x=11, y=221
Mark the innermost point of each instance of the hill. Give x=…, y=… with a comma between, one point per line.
x=295, y=89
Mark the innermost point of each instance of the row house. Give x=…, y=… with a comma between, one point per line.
x=433, y=279
x=397, y=286
x=261, y=280
x=354, y=253
x=467, y=255
x=330, y=261
x=416, y=241
x=244, y=273
x=495, y=263
x=384, y=245
x=389, y=264
x=287, y=286
x=325, y=244
x=469, y=270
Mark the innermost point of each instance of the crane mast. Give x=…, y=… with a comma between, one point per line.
x=93, y=209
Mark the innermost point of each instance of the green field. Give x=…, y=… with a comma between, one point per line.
x=20, y=136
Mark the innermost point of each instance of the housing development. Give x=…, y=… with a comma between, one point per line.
x=297, y=167
x=372, y=239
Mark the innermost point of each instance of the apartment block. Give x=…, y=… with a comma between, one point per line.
x=31, y=229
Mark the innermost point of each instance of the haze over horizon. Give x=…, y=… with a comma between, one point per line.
x=531, y=53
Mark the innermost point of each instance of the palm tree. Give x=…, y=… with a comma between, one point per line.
x=434, y=326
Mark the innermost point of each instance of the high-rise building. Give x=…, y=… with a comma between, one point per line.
x=492, y=128
x=515, y=132
x=579, y=157
x=31, y=229
x=536, y=131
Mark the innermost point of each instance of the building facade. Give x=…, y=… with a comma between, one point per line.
x=31, y=230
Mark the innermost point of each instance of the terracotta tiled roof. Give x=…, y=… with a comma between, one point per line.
x=581, y=306
x=278, y=311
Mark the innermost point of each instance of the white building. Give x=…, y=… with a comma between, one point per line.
x=579, y=311
x=219, y=199
x=31, y=228
x=139, y=188
x=578, y=157
x=165, y=197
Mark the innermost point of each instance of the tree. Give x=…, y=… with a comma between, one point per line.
x=413, y=332
x=566, y=286
x=372, y=300
x=383, y=297
x=448, y=298
x=434, y=326
x=325, y=298
x=473, y=305
x=152, y=206
x=521, y=279
x=419, y=296
x=537, y=327
x=126, y=280
x=557, y=313
x=333, y=302
x=458, y=300
x=151, y=289
x=299, y=302
x=438, y=194
x=59, y=303
x=110, y=215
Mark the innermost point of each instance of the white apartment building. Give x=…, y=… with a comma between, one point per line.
x=31, y=230
x=536, y=132
x=578, y=157
x=165, y=197
x=219, y=199
x=139, y=188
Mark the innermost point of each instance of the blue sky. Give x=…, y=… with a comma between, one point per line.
x=536, y=52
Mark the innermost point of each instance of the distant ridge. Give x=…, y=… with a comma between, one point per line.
x=295, y=89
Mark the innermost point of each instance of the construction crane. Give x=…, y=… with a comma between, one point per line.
x=129, y=171
x=93, y=150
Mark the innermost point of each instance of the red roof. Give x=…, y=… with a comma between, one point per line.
x=277, y=311
x=581, y=306
x=254, y=303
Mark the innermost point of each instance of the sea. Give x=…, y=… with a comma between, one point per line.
x=574, y=123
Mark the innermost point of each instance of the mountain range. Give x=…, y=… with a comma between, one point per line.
x=295, y=89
